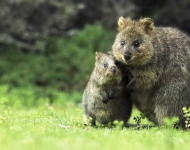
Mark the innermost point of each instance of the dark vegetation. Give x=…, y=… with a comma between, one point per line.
x=61, y=63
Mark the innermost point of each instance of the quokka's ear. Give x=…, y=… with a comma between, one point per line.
x=123, y=23
x=147, y=24
x=98, y=55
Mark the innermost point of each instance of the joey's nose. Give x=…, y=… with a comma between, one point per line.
x=127, y=55
x=113, y=68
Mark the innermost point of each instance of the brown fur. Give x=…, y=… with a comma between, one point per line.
x=160, y=63
x=104, y=98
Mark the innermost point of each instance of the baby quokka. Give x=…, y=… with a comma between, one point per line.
x=105, y=98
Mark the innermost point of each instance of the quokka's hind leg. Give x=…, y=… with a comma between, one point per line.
x=170, y=100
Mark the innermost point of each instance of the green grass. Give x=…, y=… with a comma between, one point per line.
x=60, y=127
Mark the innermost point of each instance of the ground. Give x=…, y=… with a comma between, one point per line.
x=60, y=126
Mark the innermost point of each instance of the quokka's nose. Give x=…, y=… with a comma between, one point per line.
x=113, y=68
x=127, y=55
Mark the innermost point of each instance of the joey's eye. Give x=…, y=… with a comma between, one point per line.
x=136, y=43
x=122, y=43
x=105, y=65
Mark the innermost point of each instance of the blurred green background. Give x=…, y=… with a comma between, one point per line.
x=47, y=46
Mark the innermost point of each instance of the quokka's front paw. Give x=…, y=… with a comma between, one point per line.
x=131, y=85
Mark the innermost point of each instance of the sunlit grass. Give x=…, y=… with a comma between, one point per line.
x=60, y=126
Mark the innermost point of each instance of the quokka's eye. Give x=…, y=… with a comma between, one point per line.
x=105, y=65
x=122, y=43
x=136, y=43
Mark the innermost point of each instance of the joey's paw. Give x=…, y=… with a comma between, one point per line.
x=111, y=94
x=105, y=101
x=111, y=97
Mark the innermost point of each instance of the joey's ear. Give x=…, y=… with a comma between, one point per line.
x=147, y=24
x=123, y=23
x=98, y=55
